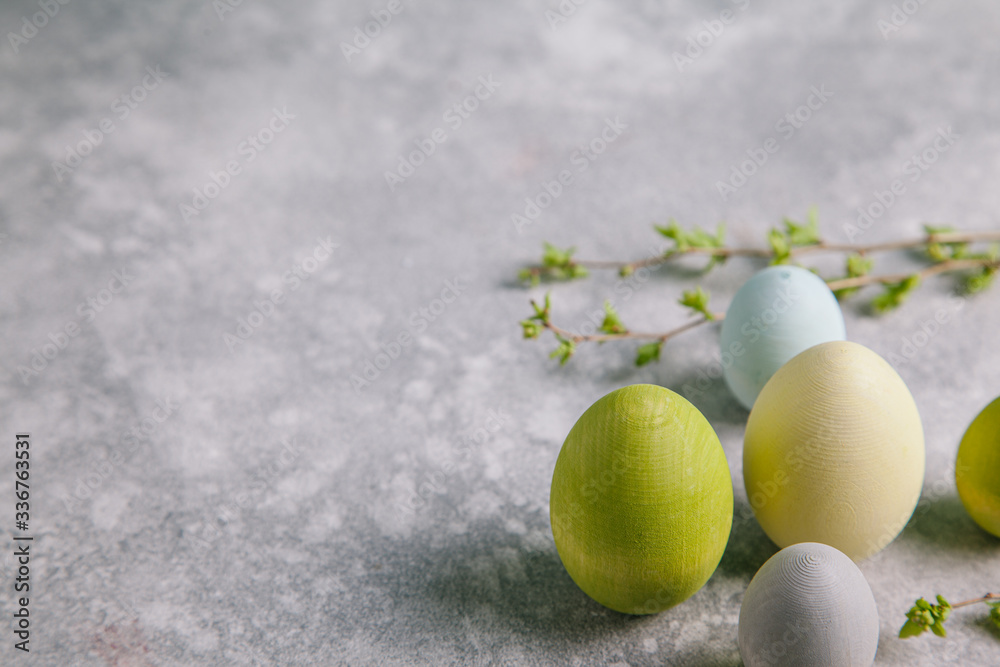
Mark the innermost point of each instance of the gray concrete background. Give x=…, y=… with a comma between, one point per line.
x=203, y=539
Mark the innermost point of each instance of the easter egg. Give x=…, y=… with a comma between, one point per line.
x=834, y=451
x=809, y=604
x=977, y=469
x=642, y=500
x=778, y=313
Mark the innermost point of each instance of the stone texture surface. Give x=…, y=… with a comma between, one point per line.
x=273, y=516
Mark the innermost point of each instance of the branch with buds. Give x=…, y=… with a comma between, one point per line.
x=924, y=616
x=946, y=250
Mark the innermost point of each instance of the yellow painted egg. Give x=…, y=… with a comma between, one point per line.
x=834, y=451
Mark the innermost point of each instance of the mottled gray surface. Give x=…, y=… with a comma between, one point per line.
x=204, y=540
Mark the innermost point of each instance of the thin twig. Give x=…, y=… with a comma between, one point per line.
x=986, y=598
x=934, y=269
x=861, y=281
x=822, y=246
x=927, y=239
x=636, y=335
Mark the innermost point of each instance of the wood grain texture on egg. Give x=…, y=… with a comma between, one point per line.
x=977, y=469
x=834, y=451
x=776, y=314
x=642, y=500
x=809, y=604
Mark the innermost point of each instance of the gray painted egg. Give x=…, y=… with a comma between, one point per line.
x=808, y=604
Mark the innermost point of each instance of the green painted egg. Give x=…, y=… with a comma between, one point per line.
x=977, y=469
x=642, y=500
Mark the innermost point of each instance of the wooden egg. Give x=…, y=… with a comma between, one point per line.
x=977, y=469
x=809, y=604
x=642, y=500
x=778, y=313
x=834, y=451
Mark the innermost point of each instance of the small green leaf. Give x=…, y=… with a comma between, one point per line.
x=556, y=257
x=612, y=322
x=941, y=252
x=532, y=329
x=807, y=234
x=564, y=351
x=930, y=230
x=844, y=292
x=779, y=246
x=533, y=325
x=685, y=240
x=959, y=250
x=939, y=630
x=895, y=294
x=942, y=602
x=720, y=235
x=542, y=312
x=699, y=238
x=558, y=263
x=936, y=252
x=626, y=271
x=674, y=232
x=812, y=216
x=697, y=300
x=857, y=266
x=911, y=629
x=718, y=242
x=978, y=281
x=995, y=614
x=648, y=352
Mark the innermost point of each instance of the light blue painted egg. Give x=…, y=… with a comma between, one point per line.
x=778, y=313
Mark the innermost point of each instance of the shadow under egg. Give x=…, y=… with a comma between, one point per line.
x=942, y=522
x=748, y=548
